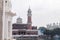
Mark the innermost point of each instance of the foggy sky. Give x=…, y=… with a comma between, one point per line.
x=43, y=11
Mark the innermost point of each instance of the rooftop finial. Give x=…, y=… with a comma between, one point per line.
x=29, y=6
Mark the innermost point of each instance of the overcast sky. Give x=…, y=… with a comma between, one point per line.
x=43, y=11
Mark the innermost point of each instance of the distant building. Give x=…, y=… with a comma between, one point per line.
x=29, y=19
x=53, y=26
x=25, y=31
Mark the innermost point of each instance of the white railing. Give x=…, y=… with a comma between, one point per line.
x=23, y=29
x=17, y=29
x=31, y=30
x=24, y=35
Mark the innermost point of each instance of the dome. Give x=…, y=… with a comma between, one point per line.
x=19, y=20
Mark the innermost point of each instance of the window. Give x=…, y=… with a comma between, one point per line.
x=14, y=33
x=19, y=33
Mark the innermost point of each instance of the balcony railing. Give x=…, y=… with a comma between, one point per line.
x=23, y=30
x=24, y=35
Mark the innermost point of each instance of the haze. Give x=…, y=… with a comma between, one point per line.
x=43, y=11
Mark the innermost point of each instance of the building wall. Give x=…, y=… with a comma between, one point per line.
x=8, y=27
x=5, y=20
x=1, y=14
x=8, y=5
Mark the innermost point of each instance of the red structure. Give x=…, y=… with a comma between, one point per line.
x=29, y=19
x=25, y=31
x=21, y=29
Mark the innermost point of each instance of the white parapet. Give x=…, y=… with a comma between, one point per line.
x=25, y=35
x=23, y=29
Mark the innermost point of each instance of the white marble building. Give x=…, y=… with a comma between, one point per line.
x=7, y=20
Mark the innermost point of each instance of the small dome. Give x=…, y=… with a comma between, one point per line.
x=19, y=20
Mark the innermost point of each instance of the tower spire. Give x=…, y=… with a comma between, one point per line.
x=29, y=5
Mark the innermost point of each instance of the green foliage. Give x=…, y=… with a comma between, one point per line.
x=52, y=32
x=56, y=31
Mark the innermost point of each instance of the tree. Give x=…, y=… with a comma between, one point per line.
x=42, y=29
x=56, y=31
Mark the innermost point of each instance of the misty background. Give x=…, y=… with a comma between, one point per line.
x=43, y=11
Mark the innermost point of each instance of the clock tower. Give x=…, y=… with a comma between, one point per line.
x=29, y=21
